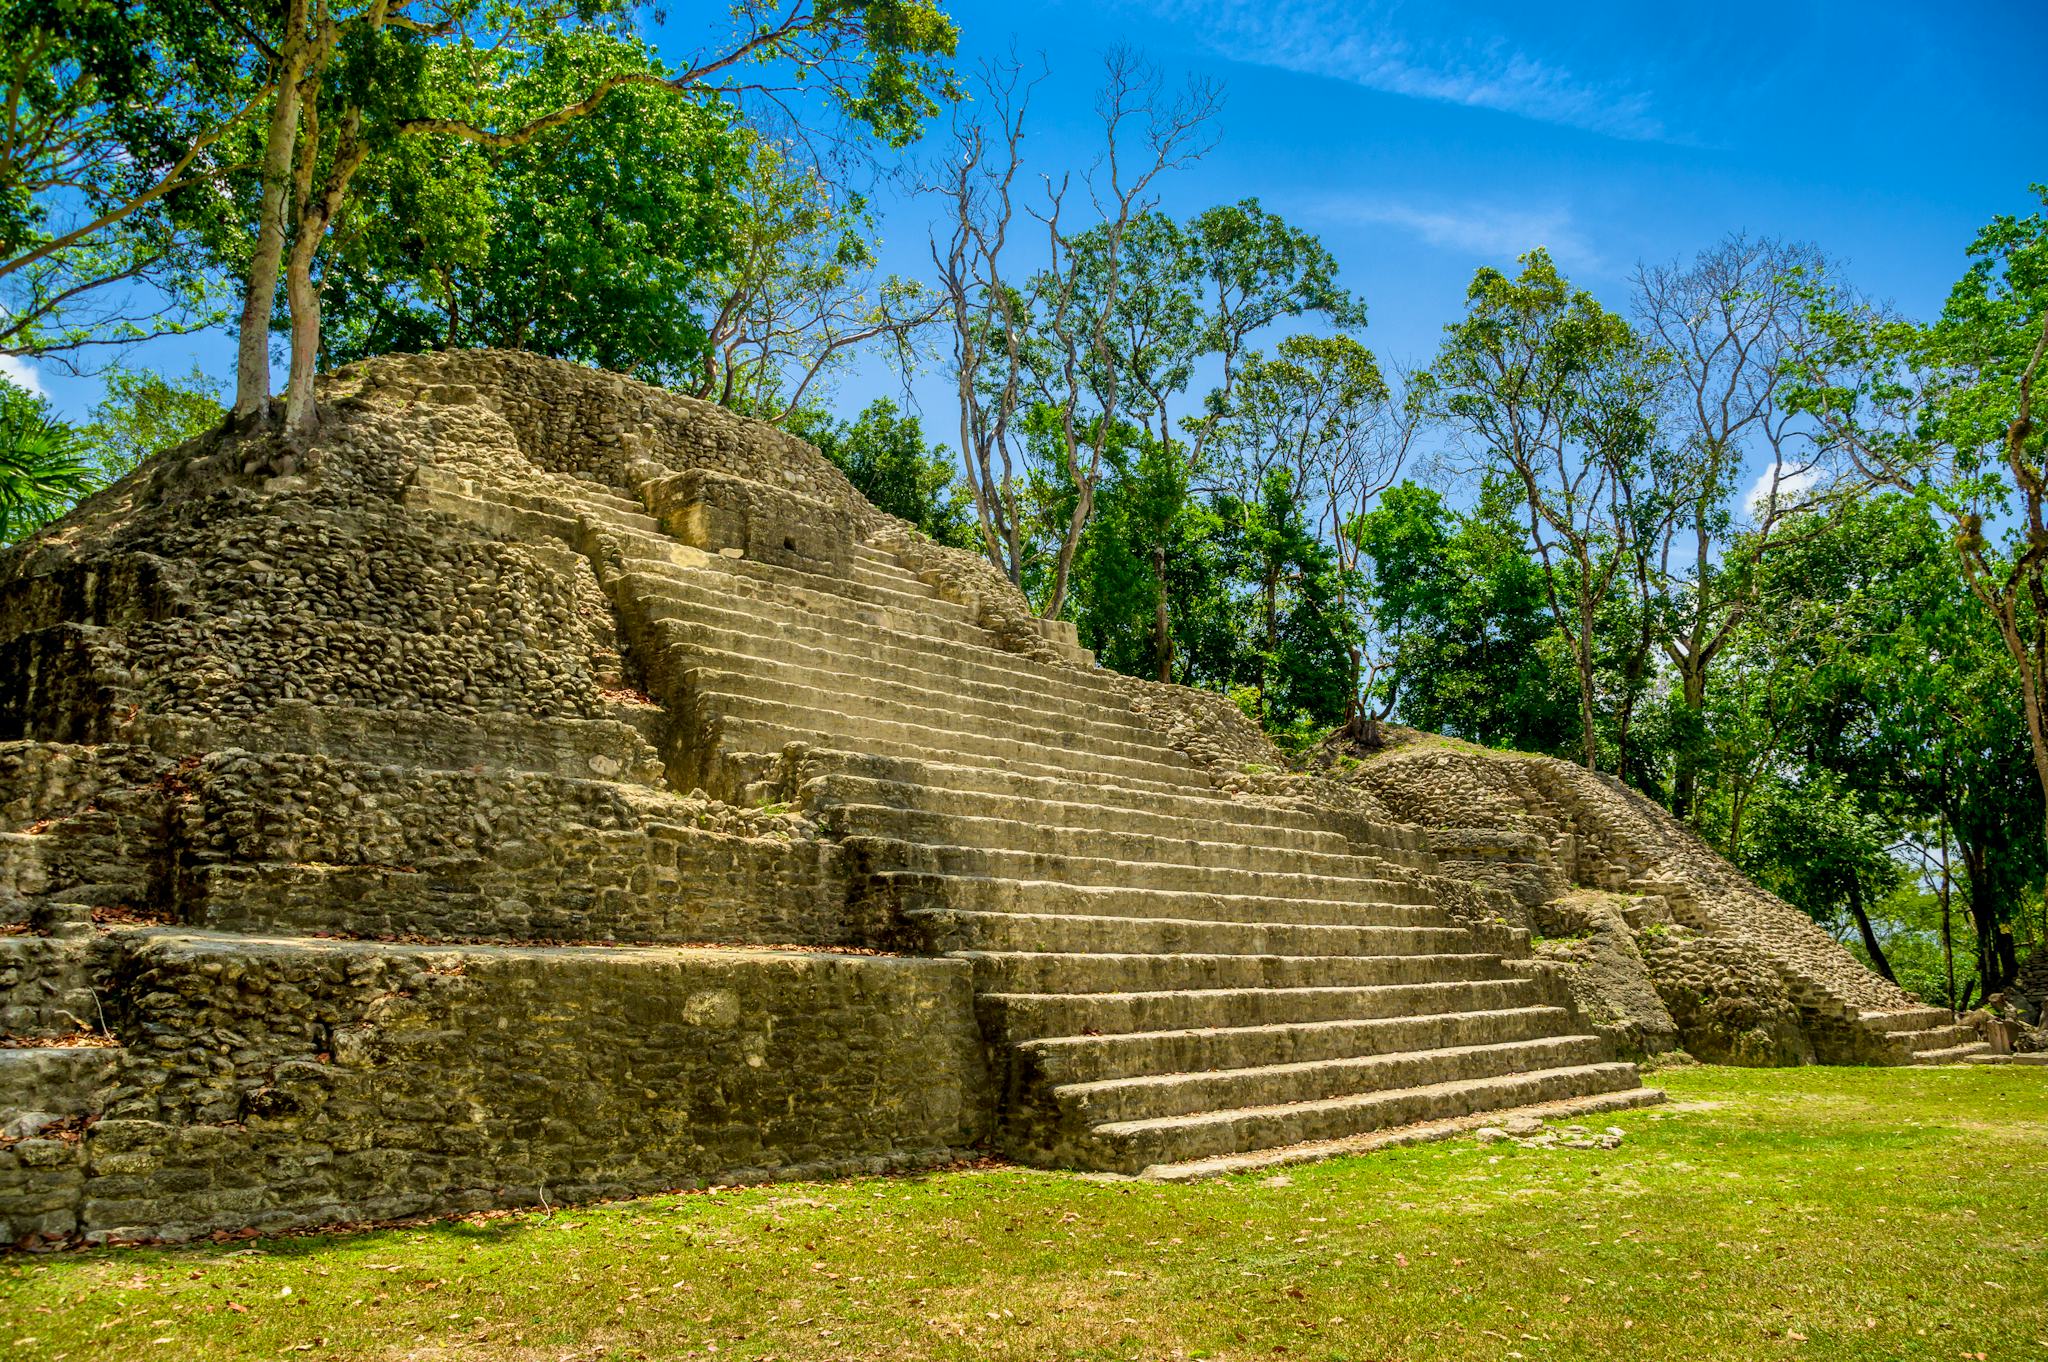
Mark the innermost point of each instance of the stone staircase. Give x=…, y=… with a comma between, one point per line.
x=1164, y=974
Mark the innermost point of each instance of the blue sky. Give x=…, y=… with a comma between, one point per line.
x=1423, y=140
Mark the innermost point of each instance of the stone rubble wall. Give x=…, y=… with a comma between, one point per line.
x=273, y=1086
x=1728, y=963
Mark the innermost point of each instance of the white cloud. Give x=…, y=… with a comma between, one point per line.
x=1356, y=43
x=1793, y=483
x=22, y=374
x=1493, y=233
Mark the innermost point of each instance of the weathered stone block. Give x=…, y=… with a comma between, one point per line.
x=717, y=512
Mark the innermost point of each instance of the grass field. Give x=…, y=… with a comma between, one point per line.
x=1814, y=1213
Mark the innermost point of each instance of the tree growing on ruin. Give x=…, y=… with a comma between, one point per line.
x=351, y=83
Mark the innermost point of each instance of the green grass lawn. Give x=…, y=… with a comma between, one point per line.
x=1812, y=1213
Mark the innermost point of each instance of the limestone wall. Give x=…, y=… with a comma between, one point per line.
x=273, y=1084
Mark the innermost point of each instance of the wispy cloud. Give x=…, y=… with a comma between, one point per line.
x=23, y=375
x=1358, y=43
x=1789, y=485
x=1491, y=233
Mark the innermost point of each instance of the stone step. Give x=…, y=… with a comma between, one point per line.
x=1132, y=1146
x=946, y=678
x=56, y=1080
x=930, y=709
x=617, y=513
x=892, y=854
x=967, y=778
x=1420, y=1132
x=952, y=930
x=794, y=590
x=770, y=725
x=1160, y=1096
x=1953, y=1054
x=1906, y=1019
x=687, y=612
x=1023, y=1017
x=1379, y=903
x=892, y=577
x=1989, y=1058
x=885, y=589
x=1075, y=811
x=654, y=589
x=1090, y=975
x=747, y=739
x=1185, y=1059
x=1218, y=850
x=1936, y=1037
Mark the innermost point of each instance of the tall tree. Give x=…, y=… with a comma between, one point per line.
x=1956, y=412
x=1734, y=327
x=1553, y=391
x=1315, y=418
x=353, y=83
x=1043, y=339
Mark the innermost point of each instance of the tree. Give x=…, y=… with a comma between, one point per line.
x=883, y=454
x=1204, y=291
x=1820, y=849
x=600, y=241
x=1956, y=412
x=1042, y=340
x=1906, y=700
x=1460, y=605
x=44, y=466
x=797, y=292
x=141, y=413
x=1553, y=390
x=351, y=84
x=1257, y=270
x=120, y=127
x=1312, y=428
x=1734, y=328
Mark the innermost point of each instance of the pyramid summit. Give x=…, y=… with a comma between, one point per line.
x=553, y=787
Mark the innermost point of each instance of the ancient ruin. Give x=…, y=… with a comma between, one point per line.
x=549, y=788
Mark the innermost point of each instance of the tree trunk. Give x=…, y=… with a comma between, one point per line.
x=252, y=362
x=1948, y=940
x=1162, y=624
x=1584, y=658
x=1870, y=942
x=1685, y=777
x=316, y=212
x=303, y=298
x=1271, y=588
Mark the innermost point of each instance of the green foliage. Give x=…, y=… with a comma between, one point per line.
x=142, y=412
x=597, y=242
x=113, y=135
x=44, y=466
x=883, y=454
x=1553, y=393
x=1821, y=847
x=1463, y=605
